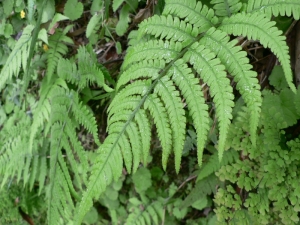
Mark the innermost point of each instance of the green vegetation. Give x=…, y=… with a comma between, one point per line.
x=145, y=112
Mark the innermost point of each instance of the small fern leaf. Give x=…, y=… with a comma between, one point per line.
x=257, y=26
x=12, y=152
x=43, y=165
x=191, y=91
x=131, y=140
x=172, y=102
x=57, y=47
x=18, y=56
x=275, y=7
x=107, y=166
x=59, y=198
x=168, y=27
x=118, y=113
x=237, y=64
x=87, y=73
x=162, y=123
x=151, y=214
x=154, y=49
x=194, y=12
x=121, y=109
x=212, y=72
x=40, y=115
x=126, y=152
x=60, y=207
x=145, y=69
x=226, y=8
x=85, y=117
x=144, y=128
x=67, y=70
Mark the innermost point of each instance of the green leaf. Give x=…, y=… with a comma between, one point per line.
x=97, y=6
x=43, y=36
x=177, y=211
x=57, y=17
x=277, y=78
x=142, y=179
x=91, y=217
x=200, y=204
x=93, y=23
x=48, y=10
x=8, y=7
x=116, y=4
x=124, y=19
x=73, y=9
x=6, y=30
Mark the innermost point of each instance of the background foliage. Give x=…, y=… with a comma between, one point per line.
x=148, y=112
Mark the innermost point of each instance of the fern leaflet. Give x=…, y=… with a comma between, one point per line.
x=17, y=57
x=275, y=7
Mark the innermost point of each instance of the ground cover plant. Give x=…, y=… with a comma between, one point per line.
x=148, y=112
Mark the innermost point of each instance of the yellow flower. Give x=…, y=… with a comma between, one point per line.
x=45, y=47
x=22, y=14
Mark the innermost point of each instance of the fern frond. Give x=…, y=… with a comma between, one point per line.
x=151, y=214
x=172, y=102
x=168, y=27
x=144, y=128
x=118, y=110
x=160, y=77
x=162, y=123
x=17, y=57
x=237, y=64
x=87, y=71
x=212, y=72
x=192, y=11
x=275, y=7
x=43, y=165
x=108, y=165
x=84, y=116
x=64, y=103
x=41, y=114
x=60, y=202
x=57, y=48
x=12, y=152
x=226, y=8
x=257, y=26
x=146, y=69
x=154, y=49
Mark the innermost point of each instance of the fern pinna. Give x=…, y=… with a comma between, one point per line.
x=171, y=58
